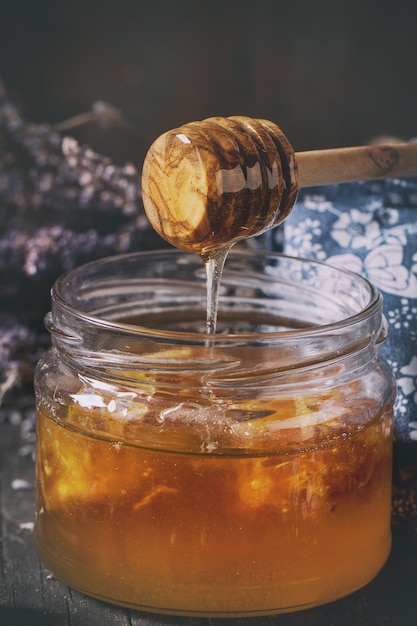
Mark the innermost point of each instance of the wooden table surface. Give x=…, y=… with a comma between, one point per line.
x=31, y=596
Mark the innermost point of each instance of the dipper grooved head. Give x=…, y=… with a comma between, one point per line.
x=209, y=184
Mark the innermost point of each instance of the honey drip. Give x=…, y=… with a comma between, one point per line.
x=214, y=264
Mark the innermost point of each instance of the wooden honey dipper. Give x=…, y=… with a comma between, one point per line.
x=209, y=184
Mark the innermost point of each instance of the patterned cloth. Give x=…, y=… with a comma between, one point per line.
x=370, y=228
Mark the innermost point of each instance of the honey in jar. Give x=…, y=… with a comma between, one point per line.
x=242, y=473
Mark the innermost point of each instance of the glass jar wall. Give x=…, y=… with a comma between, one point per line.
x=242, y=473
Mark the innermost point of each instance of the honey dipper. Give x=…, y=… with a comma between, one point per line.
x=208, y=184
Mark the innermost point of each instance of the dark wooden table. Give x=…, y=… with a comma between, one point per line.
x=31, y=596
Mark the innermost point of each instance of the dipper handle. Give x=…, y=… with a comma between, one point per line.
x=342, y=165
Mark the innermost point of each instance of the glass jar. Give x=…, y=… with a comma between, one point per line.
x=242, y=473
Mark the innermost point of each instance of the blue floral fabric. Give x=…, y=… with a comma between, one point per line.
x=370, y=228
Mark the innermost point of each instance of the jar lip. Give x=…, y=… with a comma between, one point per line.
x=373, y=305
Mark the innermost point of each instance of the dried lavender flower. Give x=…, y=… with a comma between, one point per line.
x=61, y=204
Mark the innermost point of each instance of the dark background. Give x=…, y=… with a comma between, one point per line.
x=330, y=73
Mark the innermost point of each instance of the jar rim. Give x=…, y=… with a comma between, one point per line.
x=64, y=283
